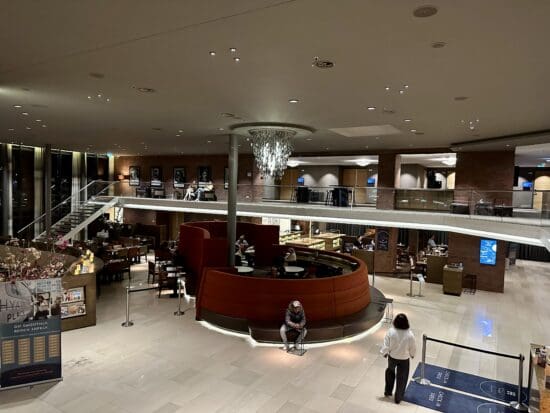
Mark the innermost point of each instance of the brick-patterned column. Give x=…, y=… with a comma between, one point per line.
x=388, y=172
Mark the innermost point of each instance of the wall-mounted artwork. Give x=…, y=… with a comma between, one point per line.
x=179, y=177
x=205, y=174
x=156, y=176
x=134, y=173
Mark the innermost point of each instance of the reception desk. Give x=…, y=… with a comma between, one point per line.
x=434, y=268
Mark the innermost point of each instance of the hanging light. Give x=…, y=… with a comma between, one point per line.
x=271, y=144
x=271, y=149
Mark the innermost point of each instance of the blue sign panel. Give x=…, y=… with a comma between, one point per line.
x=488, y=252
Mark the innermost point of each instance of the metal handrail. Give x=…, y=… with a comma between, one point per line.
x=65, y=201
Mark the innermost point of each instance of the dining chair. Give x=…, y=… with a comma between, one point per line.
x=165, y=282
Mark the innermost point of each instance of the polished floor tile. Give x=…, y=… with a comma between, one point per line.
x=172, y=364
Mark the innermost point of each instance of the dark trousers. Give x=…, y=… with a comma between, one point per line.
x=398, y=370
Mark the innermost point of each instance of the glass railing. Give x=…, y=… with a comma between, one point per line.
x=513, y=206
x=94, y=191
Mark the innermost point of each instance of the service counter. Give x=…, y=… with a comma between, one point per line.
x=539, y=379
x=333, y=242
x=434, y=268
x=78, y=308
x=318, y=244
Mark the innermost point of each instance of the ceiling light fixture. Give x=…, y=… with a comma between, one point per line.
x=178, y=135
x=25, y=113
x=401, y=91
x=38, y=120
x=362, y=162
x=387, y=88
x=232, y=49
x=44, y=125
x=271, y=144
x=180, y=131
x=413, y=130
x=28, y=127
x=425, y=11
x=371, y=108
x=237, y=59
x=406, y=86
x=11, y=129
x=212, y=53
x=293, y=100
x=220, y=129
x=18, y=106
x=407, y=120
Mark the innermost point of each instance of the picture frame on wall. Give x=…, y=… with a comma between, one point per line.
x=226, y=178
x=156, y=176
x=204, y=174
x=134, y=173
x=179, y=177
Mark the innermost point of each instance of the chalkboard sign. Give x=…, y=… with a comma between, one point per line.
x=382, y=240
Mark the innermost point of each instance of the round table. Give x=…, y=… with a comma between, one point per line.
x=241, y=269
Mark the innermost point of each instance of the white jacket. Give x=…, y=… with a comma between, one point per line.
x=399, y=344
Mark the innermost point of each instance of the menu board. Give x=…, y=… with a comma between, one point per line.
x=73, y=304
x=382, y=240
x=488, y=252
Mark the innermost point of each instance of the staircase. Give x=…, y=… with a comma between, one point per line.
x=78, y=219
x=86, y=206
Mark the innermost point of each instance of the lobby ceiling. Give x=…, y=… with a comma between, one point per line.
x=475, y=70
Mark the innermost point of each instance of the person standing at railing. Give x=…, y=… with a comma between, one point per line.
x=399, y=346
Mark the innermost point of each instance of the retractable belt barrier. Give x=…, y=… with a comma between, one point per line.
x=516, y=405
x=129, y=290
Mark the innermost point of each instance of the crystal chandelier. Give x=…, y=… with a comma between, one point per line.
x=271, y=143
x=271, y=149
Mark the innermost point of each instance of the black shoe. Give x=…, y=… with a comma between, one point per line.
x=397, y=401
x=387, y=394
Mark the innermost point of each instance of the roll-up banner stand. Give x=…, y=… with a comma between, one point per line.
x=30, y=332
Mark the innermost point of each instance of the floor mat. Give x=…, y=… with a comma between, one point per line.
x=469, y=383
x=448, y=401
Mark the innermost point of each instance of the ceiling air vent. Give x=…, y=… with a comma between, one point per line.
x=322, y=64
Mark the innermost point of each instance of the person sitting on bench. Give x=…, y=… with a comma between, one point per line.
x=204, y=187
x=295, y=320
x=190, y=192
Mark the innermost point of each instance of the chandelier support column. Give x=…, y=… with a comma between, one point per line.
x=233, y=162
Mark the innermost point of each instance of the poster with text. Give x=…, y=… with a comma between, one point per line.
x=30, y=331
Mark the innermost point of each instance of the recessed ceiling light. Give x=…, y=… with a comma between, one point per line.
x=309, y=139
x=99, y=95
x=237, y=59
x=507, y=145
x=401, y=92
x=178, y=135
x=25, y=113
x=438, y=45
x=388, y=111
x=406, y=86
x=180, y=131
x=108, y=99
x=28, y=127
x=209, y=141
x=44, y=125
x=220, y=129
x=371, y=108
x=38, y=120
x=377, y=138
x=89, y=97
x=367, y=147
x=11, y=129
x=145, y=89
x=425, y=11
x=212, y=53
x=459, y=98
x=232, y=49
x=293, y=100
x=387, y=88
x=413, y=130
x=18, y=106
x=407, y=120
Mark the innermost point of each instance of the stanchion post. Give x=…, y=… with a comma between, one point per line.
x=422, y=379
x=127, y=323
x=410, y=293
x=179, y=312
x=518, y=405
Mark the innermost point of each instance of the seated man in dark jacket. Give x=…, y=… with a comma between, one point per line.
x=295, y=319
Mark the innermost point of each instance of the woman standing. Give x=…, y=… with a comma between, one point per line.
x=399, y=345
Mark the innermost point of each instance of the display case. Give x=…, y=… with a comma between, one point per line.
x=289, y=236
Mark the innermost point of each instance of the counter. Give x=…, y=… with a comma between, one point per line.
x=79, y=305
x=333, y=242
x=307, y=243
x=539, y=401
x=434, y=268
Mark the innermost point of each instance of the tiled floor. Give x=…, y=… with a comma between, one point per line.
x=173, y=364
